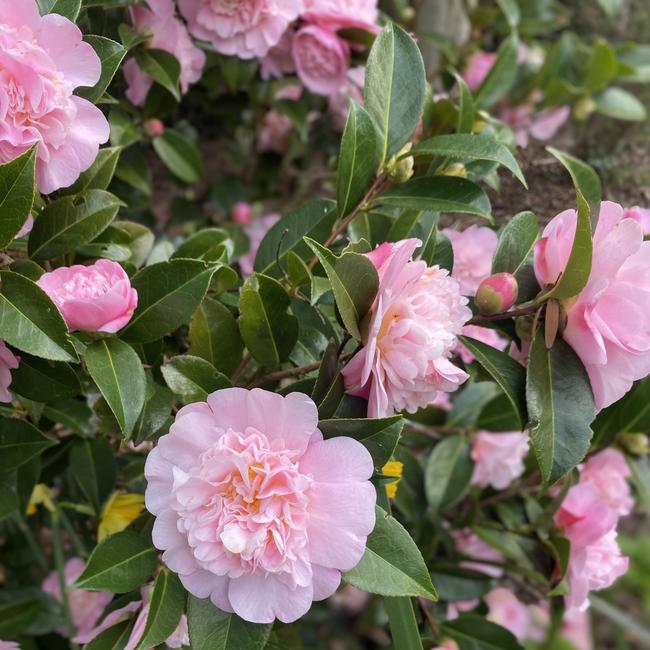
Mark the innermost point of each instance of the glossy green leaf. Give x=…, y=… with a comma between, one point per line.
x=313, y=219
x=15, y=617
x=394, y=89
x=67, y=8
x=30, y=321
x=114, y=638
x=560, y=407
x=19, y=443
x=357, y=166
x=502, y=75
x=266, y=327
x=208, y=244
x=168, y=293
x=116, y=369
x=511, y=11
x=119, y=563
x=466, y=146
x=438, y=194
x=403, y=625
x=180, y=155
x=43, y=380
x=620, y=104
x=156, y=413
x=447, y=473
x=92, y=464
x=193, y=378
x=16, y=194
x=212, y=629
x=99, y=175
x=163, y=67
x=111, y=55
x=516, y=243
x=602, y=66
x=466, y=109
x=70, y=222
x=392, y=564
x=472, y=632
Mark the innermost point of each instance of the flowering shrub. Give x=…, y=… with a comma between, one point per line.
x=272, y=373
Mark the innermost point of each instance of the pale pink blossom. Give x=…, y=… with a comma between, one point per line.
x=253, y=508
x=608, y=471
x=167, y=33
x=27, y=227
x=442, y=402
x=608, y=322
x=576, y=628
x=641, y=216
x=42, y=61
x=412, y=330
x=242, y=212
x=153, y=127
x=351, y=599
x=473, y=250
x=468, y=543
x=9, y=645
x=457, y=607
x=519, y=352
x=255, y=232
x=292, y=92
x=85, y=606
x=244, y=28
x=112, y=618
x=95, y=298
x=447, y=644
x=506, y=610
x=321, y=59
x=498, y=458
x=486, y=335
x=478, y=67
x=8, y=362
x=278, y=61
x=342, y=14
x=497, y=293
x=351, y=88
x=274, y=132
x=526, y=121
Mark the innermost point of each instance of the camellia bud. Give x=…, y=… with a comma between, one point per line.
x=153, y=127
x=583, y=108
x=455, y=169
x=636, y=443
x=401, y=170
x=497, y=293
x=242, y=213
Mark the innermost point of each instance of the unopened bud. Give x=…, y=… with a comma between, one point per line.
x=408, y=14
x=455, y=169
x=583, y=108
x=242, y=213
x=524, y=327
x=153, y=127
x=401, y=170
x=636, y=443
x=497, y=293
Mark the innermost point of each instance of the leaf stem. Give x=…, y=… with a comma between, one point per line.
x=523, y=310
x=59, y=561
x=39, y=556
x=291, y=372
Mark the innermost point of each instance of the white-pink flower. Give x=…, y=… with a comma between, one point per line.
x=608, y=471
x=526, y=121
x=498, y=458
x=351, y=88
x=255, y=232
x=640, y=215
x=608, y=322
x=9, y=645
x=253, y=508
x=470, y=544
x=244, y=28
x=506, y=610
x=42, y=61
x=413, y=327
x=576, y=628
x=278, y=61
x=8, y=362
x=486, y=335
x=274, y=132
x=478, y=67
x=340, y=14
x=167, y=33
x=85, y=606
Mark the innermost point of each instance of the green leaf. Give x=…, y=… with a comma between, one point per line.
x=99, y=175
x=511, y=11
x=516, y=243
x=467, y=146
x=560, y=407
x=266, y=327
x=438, y=194
x=620, y=104
x=44, y=381
x=356, y=166
x=180, y=155
x=119, y=563
x=70, y=222
x=473, y=632
x=193, y=378
x=466, y=109
x=578, y=268
x=168, y=293
x=110, y=54
x=394, y=89
x=212, y=629
x=354, y=282
x=67, y=8
x=16, y=194
x=508, y=373
x=114, y=638
x=30, y=321
x=501, y=76
x=403, y=626
x=207, y=244
x=19, y=443
x=312, y=219
x=392, y=564
x=214, y=336
x=16, y=617
x=602, y=66
x=379, y=436
x=92, y=464
x=116, y=369
x=155, y=414
x=163, y=67
x=165, y=610
x=447, y=473
x=469, y=403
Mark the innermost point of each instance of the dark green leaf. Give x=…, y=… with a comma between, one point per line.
x=447, y=473
x=602, y=66
x=501, y=76
x=16, y=194
x=68, y=8
x=16, y=617
x=114, y=638
x=403, y=625
x=45, y=381
x=99, y=175
x=193, y=378
x=180, y=155
x=163, y=67
x=110, y=54
x=155, y=414
x=516, y=243
x=92, y=463
x=465, y=107
x=511, y=11
x=19, y=443
x=473, y=632
x=207, y=244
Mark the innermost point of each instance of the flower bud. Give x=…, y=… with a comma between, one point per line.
x=583, y=108
x=636, y=443
x=455, y=169
x=408, y=14
x=401, y=170
x=524, y=327
x=497, y=293
x=242, y=213
x=153, y=127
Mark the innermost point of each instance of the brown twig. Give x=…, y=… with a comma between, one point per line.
x=430, y=620
x=512, y=313
x=241, y=367
x=283, y=374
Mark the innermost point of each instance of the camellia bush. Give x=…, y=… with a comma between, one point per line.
x=272, y=373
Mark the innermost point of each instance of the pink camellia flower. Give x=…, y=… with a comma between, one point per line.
x=8, y=362
x=341, y=14
x=243, y=28
x=153, y=127
x=413, y=327
x=167, y=33
x=255, y=233
x=85, y=606
x=478, y=67
x=608, y=322
x=447, y=644
x=473, y=250
x=95, y=298
x=457, y=607
x=242, y=213
x=27, y=227
x=526, y=121
x=608, y=471
x=42, y=61
x=641, y=216
x=498, y=458
x=253, y=508
x=278, y=61
x=506, y=610
x=321, y=58
x=576, y=628
x=351, y=88
x=9, y=645
x=484, y=334
x=497, y=293
x=470, y=544
x=274, y=132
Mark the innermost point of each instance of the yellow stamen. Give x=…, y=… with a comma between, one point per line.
x=392, y=468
